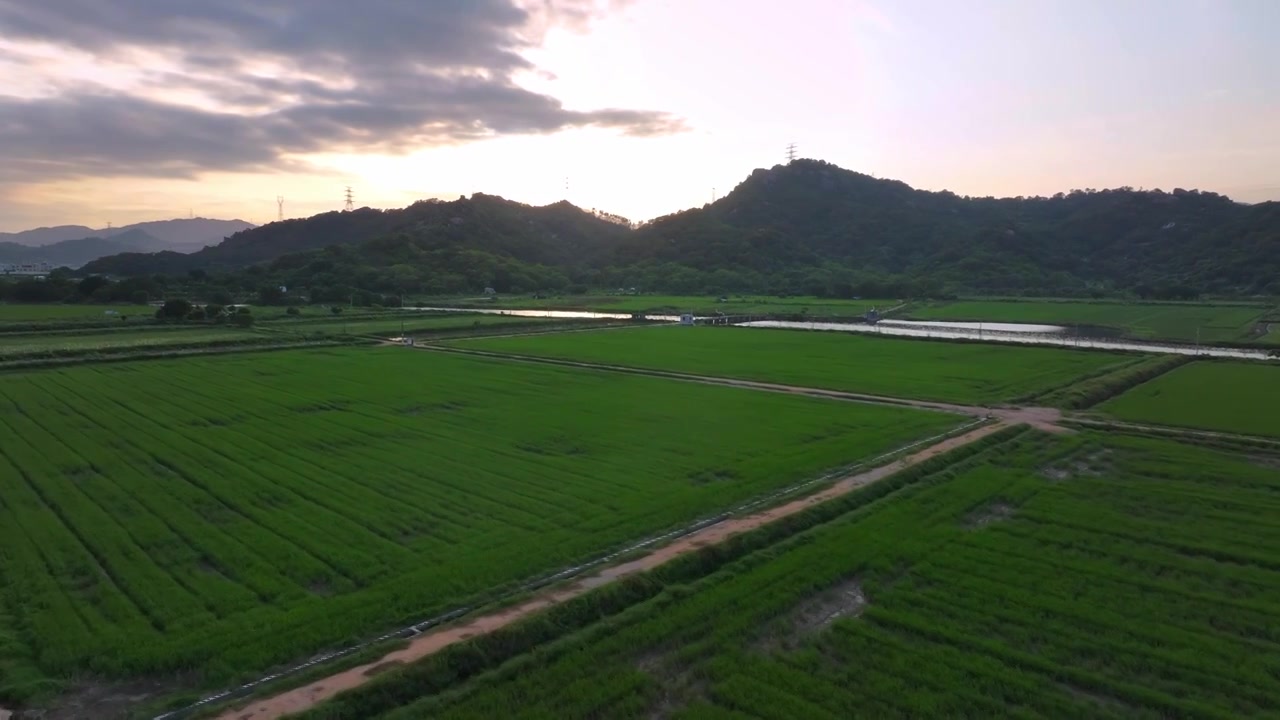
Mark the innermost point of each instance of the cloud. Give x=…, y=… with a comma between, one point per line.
x=205, y=85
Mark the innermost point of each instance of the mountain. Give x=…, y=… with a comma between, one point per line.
x=809, y=213
x=185, y=234
x=553, y=234
x=47, y=235
x=806, y=227
x=74, y=253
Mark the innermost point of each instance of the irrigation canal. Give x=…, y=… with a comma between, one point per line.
x=1022, y=333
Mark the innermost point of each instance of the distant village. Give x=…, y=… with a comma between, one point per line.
x=36, y=269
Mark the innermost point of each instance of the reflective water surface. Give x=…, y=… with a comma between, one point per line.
x=1060, y=337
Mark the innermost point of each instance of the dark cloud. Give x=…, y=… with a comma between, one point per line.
x=378, y=75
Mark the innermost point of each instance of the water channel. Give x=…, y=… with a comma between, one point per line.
x=1074, y=336
x=1033, y=334
x=561, y=314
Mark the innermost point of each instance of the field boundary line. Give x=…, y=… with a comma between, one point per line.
x=977, y=410
x=161, y=353
x=1174, y=430
x=967, y=432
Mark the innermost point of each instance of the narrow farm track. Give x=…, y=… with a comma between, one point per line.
x=429, y=643
x=1101, y=424
x=1041, y=418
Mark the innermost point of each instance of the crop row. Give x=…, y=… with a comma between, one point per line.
x=224, y=514
x=953, y=372
x=1234, y=397
x=1022, y=587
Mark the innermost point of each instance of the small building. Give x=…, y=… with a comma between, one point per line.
x=872, y=317
x=33, y=269
x=686, y=319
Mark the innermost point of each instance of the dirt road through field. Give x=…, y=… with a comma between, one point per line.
x=307, y=696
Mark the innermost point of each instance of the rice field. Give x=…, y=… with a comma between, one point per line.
x=20, y=345
x=392, y=324
x=1097, y=575
x=1183, y=322
x=215, y=516
x=953, y=372
x=18, y=312
x=1234, y=397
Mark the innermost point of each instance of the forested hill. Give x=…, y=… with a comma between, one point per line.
x=810, y=212
x=805, y=227
x=554, y=234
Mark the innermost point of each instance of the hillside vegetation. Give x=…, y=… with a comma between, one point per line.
x=808, y=227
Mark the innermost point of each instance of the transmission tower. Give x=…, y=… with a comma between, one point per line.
x=791, y=152
x=280, y=207
x=351, y=202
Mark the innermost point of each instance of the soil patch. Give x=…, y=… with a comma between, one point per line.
x=106, y=700
x=677, y=688
x=815, y=614
x=1095, y=698
x=1093, y=464
x=987, y=514
x=1266, y=461
x=321, y=588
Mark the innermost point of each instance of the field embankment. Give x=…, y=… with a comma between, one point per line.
x=968, y=373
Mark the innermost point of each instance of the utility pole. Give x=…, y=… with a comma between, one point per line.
x=350, y=205
x=791, y=152
x=279, y=208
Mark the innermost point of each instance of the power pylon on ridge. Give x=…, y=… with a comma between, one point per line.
x=791, y=152
x=280, y=207
x=351, y=201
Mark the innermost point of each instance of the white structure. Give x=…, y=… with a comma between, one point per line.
x=36, y=268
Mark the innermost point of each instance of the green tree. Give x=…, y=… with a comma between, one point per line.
x=270, y=295
x=174, y=309
x=92, y=284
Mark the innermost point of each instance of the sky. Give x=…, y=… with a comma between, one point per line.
x=120, y=111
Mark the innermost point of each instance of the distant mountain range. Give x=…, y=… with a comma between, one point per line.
x=807, y=227
x=75, y=245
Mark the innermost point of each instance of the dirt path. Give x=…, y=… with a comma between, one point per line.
x=1042, y=418
x=307, y=696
